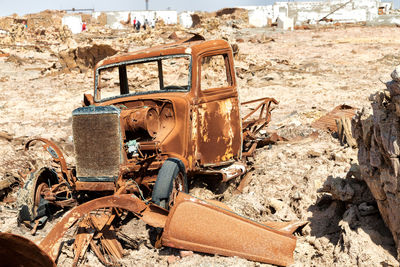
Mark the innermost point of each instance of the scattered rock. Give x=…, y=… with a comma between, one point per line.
x=6, y=182
x=366, y=209
x=313, y=153
x=172, y=259
x=6, y=136
x=185, y=253
x=85, y=57
x=196, y=21
x=396, y=74
x=16, y=60
x=173, y=36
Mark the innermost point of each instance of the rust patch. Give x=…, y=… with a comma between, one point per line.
x=219, y=129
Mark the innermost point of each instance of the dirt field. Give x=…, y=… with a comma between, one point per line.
x=308, y=71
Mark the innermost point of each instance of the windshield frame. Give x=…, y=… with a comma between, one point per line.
x=136, y=61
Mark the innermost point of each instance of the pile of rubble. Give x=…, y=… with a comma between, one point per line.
x=44, y=31
x=378, y=135
x=84, y=58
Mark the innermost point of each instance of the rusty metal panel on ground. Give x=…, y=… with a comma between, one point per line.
x=194, y=224
x=328, y=122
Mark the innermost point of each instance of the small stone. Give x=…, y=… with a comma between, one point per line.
x=318, y=246
x=311, y=240
x=306, y=231
x=294, y=122
x=172, y=259
x=313, y=154
x=271, y=76
x=354, y=172
x=366, y=209
x=396, y=74
x=297, y=195
x=185, y=253
x=281, y=156
x=276, y=204
x=338, y=157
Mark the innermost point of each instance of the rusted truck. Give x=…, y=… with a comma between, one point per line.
x=158, y=118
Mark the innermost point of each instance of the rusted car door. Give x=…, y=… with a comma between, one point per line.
x=219, y=126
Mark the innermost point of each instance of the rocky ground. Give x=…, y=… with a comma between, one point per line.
x=309, y=71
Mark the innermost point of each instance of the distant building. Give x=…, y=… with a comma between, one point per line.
x=342, y=11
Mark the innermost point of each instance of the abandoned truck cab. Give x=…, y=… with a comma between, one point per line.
x=175, y=101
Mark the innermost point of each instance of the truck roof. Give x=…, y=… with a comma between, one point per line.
x=195, y=45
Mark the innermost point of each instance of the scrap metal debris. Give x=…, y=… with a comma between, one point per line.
x=187, y=226
x=328, y=122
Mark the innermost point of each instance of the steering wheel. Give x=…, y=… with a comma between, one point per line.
x=170, y=87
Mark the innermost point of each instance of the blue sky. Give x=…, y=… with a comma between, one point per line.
x=22, y=7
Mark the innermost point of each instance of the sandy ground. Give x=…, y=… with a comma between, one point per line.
x=309, y=72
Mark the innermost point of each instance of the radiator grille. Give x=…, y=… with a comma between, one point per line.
x=97, y=141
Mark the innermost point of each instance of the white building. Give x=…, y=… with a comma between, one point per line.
x=73, y=22
x=114, y=18
x=342, y=11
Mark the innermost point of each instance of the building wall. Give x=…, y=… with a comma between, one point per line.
x=185, y=19
x=114, y=18
x=259, y=15
x=73, y=22
x=355, y=11
x=312, y=12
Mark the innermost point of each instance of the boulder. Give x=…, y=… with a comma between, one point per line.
x=378, y=136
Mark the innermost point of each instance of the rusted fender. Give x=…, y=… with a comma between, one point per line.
x=150, y=214
x=194, y=224
x=16, y=250
x=53, y=150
